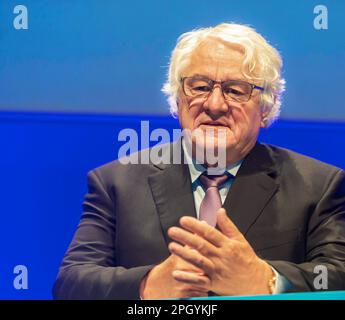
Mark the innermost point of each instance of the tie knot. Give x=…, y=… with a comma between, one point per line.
x=209, y=181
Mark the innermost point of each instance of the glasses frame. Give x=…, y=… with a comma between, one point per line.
x=221, y=83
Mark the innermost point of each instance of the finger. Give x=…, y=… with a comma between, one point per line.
x=203, y=229
x=192, y=256
x=192, y=240
x=183, y=265
x=201, y=282
x=226, y=226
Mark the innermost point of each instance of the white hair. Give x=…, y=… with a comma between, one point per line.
x=262, y=63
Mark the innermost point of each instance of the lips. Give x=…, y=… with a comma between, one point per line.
x=214, y=124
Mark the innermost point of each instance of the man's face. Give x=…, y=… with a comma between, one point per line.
x=240, y=120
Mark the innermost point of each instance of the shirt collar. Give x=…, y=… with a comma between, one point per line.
x=196, y=169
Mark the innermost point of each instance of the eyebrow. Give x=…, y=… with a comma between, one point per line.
x=198, y=75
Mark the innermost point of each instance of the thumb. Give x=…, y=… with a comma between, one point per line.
x=226, y=226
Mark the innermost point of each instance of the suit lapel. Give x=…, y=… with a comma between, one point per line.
x=172, y=193
x=254, y=185
x=252, y=188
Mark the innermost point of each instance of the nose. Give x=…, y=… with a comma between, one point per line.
x=216, y=105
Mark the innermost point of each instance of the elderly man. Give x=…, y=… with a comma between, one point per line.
x=269, y=222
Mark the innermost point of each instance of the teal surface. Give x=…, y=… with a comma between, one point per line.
x=325, y=295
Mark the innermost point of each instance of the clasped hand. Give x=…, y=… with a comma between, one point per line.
x=205, y=259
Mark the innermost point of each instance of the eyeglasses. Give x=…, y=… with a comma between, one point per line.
x=232, y=90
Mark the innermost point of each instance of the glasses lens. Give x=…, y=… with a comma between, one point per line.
x=196, y=87
x=238, y=91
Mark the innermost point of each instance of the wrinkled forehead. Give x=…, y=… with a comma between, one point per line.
x=216, y=59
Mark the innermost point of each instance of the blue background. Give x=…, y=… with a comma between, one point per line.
x=67, y=89
x=89, y=55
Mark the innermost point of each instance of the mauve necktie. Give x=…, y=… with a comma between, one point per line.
x=212, y=201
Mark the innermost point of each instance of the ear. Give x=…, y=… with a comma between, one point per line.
x=264, y=116
x=263, y=123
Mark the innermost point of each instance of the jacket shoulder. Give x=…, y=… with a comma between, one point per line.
x=306, y=166
x=135, y=166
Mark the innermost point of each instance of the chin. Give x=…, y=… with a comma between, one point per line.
x=210, y=150
x=215, y=143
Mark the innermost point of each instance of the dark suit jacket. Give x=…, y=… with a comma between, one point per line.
x=291, y=209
